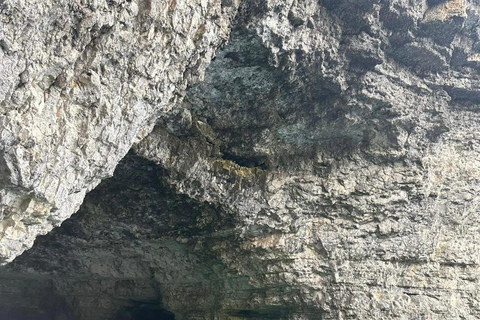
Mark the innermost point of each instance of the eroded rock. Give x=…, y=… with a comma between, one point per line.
x=81, y=82
x=337, y=142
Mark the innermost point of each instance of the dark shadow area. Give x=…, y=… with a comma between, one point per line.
x=266, y=313
x=254, y=162
x=144, y=311
x=7, y=313
x=43, y=302
x=435, y=2
x=118, y=258
x=13, y=314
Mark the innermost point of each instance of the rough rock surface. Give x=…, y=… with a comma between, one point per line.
x=82, y=81
x=325, y=168
x=126, y=254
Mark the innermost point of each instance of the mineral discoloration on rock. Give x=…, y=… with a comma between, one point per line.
x=359, y=177
x=446, y=10
x=336, y=141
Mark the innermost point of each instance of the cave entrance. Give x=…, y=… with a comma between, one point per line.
x=144, y=311
x=118, y=257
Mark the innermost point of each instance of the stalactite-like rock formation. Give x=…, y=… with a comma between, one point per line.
x=288, y=159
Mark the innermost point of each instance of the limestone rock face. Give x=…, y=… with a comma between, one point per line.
x=325, y=167
x=81, y=81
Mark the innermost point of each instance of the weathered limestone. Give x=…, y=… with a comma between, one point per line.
x=446, y=10
x=325, y=168
x=81, y=82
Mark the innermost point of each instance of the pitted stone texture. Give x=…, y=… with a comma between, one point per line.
x=359, y=233
x=354, y=187
x=341, y=140
x=80, y=82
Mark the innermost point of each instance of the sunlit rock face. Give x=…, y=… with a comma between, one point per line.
x=81, y=81
x=325, y=165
